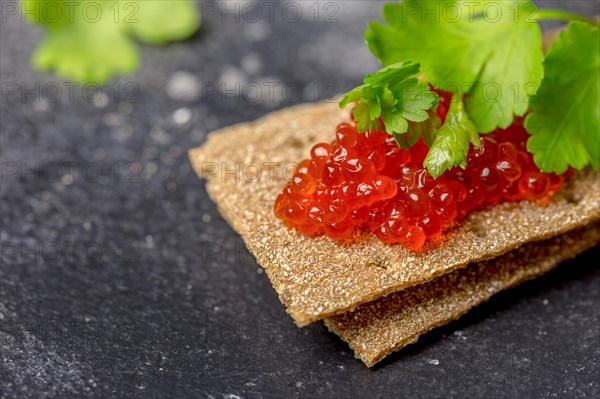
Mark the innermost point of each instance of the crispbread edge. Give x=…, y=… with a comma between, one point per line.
x=376, y=329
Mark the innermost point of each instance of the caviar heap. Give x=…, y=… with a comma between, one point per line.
x=364, y=181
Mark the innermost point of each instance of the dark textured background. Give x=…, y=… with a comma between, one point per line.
x=132, y=285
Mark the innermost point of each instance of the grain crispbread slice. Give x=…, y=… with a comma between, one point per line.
x=247, y=165
x=379, y=328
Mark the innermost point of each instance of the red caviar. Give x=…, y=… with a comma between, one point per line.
x=364, y=181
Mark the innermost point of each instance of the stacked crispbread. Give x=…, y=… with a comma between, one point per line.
x=379, y=297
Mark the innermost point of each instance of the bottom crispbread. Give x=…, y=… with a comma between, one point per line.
x=379, y=328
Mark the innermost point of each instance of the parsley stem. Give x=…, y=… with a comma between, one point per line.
x=566, y=15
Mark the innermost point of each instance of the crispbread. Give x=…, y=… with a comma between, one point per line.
x=376, y=329
x=318, y=277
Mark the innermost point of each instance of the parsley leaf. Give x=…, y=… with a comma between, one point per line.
x=489, y=50
x=452, y=140
x=161, y=22
x=86, y=52
x=416, y=130
x=566, y=109
x=91, y=44
x=394, y=95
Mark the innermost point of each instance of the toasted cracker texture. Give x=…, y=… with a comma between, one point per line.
x=376, y=329
x=247, y=165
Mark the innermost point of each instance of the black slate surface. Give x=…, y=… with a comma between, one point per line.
x=120, y=279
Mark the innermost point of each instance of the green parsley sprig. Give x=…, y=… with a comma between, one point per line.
x=472, y=53
x=489, y=55
x=393, y=96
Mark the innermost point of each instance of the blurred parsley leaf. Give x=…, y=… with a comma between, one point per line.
x=165, y=21
x=566, y=109
x=490, y=45
x=92, y=44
